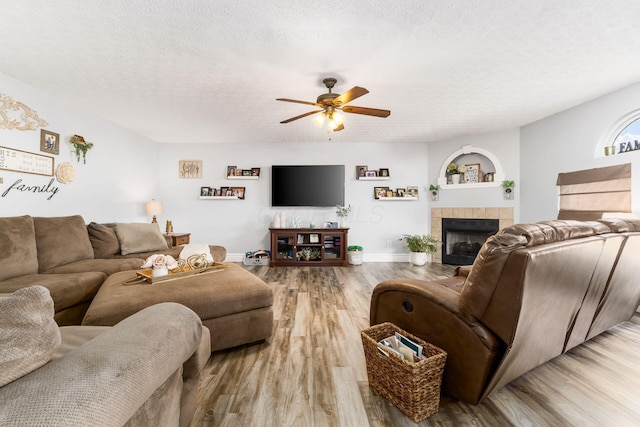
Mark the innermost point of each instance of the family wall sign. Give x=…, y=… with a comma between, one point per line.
x=18, y=186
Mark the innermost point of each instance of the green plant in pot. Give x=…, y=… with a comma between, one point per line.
x=421, y=247
x=434, y=189
x=507, y=187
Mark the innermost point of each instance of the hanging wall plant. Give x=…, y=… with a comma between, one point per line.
x=81, y=147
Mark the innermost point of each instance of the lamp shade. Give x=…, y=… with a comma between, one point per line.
x=154, y=208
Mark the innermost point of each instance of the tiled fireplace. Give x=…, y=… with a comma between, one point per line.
x=503, y=215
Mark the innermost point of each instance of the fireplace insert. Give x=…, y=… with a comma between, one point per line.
x=462, y=238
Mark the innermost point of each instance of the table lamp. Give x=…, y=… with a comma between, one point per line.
x=154, y=208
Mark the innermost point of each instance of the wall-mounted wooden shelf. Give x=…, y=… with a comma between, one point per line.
x=373, y=178
x=219, y=198
x=244, y=177
x=397, y=199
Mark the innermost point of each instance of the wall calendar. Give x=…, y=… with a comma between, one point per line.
x=23, y=161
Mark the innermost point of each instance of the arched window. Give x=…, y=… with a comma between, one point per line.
x=623, y=137
x=629, y=138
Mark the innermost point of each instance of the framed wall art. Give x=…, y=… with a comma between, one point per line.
x=472, y=174
x=49, y=142
x=190, y=169
x=23, y=161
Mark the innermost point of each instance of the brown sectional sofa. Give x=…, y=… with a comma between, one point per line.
x=144, y=371
x=534, y=292
x=68, y=257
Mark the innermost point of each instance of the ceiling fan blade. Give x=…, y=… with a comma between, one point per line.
x=366, y=111
x=350, y=95
x=301, y=116
x=298, y=102
x=339, y=128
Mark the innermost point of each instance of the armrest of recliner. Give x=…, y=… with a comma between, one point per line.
x=430, y=311
x=463, y=270
x=106, y=380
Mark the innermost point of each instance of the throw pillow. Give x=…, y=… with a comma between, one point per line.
x=28, y=333
x=104, y=240
x=196, y=249
x=139, y=237
x=61, y=240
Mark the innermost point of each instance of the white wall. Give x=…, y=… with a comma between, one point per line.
x=114, y=184
x=505, y=145
x=124, y=170
x=243, y=225
x=566, y=142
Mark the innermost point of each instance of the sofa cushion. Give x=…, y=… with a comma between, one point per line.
x=103, y=240
x=61, y=240
x=107, y=266
x=18, y=247
x=28, y=333
x=139, y=237
x=67, y=290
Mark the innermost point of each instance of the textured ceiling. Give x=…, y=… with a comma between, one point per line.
x=209, y=71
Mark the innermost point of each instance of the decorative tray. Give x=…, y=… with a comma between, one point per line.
x=146, y=276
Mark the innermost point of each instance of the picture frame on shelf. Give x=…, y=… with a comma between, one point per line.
x=225, y=191
x=238, y=192
x=384, y=172
x=204, y=191
x=379, y=192
x=238, y=172
x=361, y=171
x=255, y=171
x=231, y=170
x=370, y=174
x=412, y=191
x=390, y=193
x=401, y=192
x=212, y=191
x=472, y=174
x=49, y=142
x=246, y=172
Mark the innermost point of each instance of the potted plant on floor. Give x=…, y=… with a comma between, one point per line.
x=421, y=247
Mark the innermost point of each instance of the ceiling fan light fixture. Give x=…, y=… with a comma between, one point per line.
x=319, y=119
x=338, y=118
x=329, y=104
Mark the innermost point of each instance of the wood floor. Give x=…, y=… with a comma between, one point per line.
x=312, y=372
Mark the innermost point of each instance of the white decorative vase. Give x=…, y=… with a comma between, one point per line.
x=343, y=222
x=455, y=178
x=159, y=272
x=418, y=258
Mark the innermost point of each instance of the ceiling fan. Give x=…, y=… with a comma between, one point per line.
x=331, y=104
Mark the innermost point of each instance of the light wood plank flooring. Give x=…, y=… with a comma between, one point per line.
x=312, y=372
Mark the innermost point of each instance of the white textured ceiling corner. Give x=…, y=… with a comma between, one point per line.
x=209, y=71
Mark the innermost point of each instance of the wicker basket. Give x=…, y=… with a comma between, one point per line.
x=414, y=388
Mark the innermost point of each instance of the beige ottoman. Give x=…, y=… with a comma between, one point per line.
x=235, y=305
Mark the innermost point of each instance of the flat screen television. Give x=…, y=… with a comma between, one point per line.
x=310, y=185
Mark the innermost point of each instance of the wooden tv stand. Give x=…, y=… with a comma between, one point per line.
x=308, y=247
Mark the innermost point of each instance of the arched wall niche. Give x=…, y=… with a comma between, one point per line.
x=466, y=151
